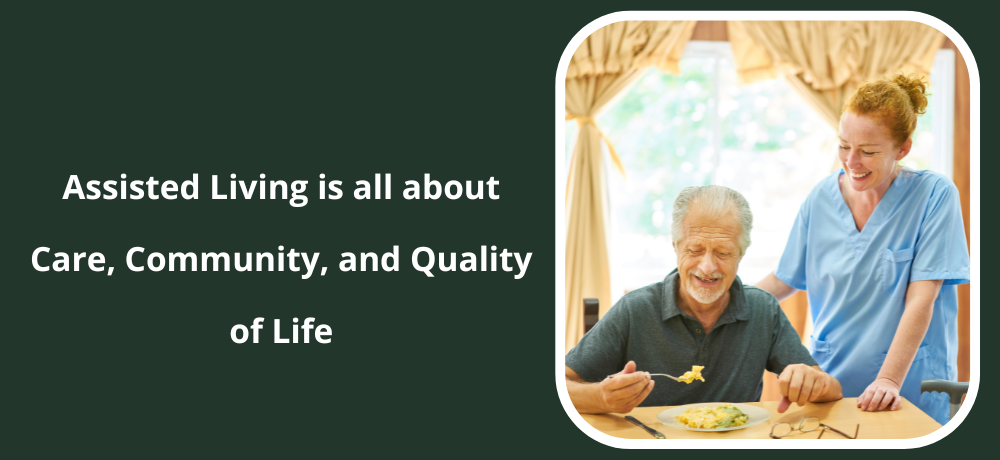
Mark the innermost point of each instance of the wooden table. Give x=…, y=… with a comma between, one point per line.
x=907, y=422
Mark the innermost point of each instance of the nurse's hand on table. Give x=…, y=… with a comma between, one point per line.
x=882, y=394
x=800, y=384
x=622, y=392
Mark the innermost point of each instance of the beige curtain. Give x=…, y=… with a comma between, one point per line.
x=825, y=61
x=607, y=62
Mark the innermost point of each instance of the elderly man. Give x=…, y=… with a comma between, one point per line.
x=700, y=314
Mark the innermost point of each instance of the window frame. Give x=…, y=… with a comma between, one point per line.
x=942, y=127
x=716, y=50
x=943, y=124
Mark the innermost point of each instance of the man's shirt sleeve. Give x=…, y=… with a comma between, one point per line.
x=601, y=351
x=786, y=347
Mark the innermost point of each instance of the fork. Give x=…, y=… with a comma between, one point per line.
x=664, y=375
x=667, y=376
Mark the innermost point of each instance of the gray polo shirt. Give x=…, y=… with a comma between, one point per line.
x=647, y=327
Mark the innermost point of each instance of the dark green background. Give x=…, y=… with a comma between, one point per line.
x=142, y=363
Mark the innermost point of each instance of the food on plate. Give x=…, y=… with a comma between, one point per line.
x=723, y=416
x=692, y=375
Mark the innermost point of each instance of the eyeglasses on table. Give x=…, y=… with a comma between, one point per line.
x=806, y=425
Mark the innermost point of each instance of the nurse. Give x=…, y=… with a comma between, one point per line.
x=880, y=249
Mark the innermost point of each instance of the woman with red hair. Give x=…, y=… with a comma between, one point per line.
x=880, y=249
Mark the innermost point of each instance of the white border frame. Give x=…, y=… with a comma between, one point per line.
x=560, y=237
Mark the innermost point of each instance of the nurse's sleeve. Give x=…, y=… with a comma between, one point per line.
x=940, y=252
x=792, y=266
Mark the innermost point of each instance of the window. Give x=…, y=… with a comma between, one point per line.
x=933, y=140
x=702, y=127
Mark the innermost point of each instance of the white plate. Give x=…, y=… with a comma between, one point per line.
x=755, y=416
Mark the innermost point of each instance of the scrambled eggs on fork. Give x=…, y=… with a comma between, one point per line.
x=692, y=375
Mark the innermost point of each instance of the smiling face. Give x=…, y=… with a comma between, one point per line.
x=707, y=257
x=868, y=154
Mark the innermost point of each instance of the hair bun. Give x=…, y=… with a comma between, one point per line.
x=895, y=100
x=916, y=87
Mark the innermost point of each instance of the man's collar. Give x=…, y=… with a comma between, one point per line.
x=735, y=311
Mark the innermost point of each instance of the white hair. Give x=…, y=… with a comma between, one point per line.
x=715, y=200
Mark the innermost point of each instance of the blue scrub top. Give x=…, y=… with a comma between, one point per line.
x=857, y=281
